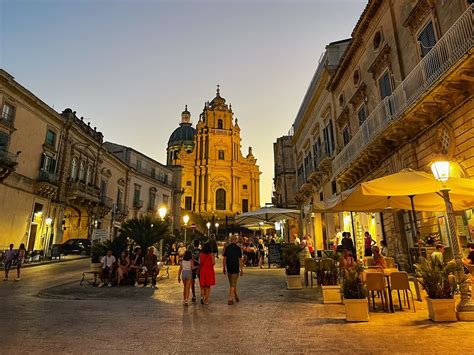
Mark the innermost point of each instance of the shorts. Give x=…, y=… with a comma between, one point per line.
x=8, y=265
x=233, y=279
x=187, y=275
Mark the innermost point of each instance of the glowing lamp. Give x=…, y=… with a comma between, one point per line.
x=440, y=170
x=185, y=219
x=162, y=212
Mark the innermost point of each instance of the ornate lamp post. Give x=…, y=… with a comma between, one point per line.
x=465, y=308
x=185, y=220
x=208, y=225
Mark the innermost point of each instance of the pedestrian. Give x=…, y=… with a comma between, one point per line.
x=137, y=265
x=347, y=243
x=384, y=250
x=181, y=250
x=310, y=245
x=20, y=259
x=185, y=273
x=8, y=260
x=297, y=240
x=207, y=276
x=174, y=254
x=107, y=263
x=150, y=262
x=214, y=246
x=195, y=252
x=233, y=267
x=437, y=256
x=368, y=244
x=261, y=253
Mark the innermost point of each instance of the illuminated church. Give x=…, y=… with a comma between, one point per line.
x=217, y=180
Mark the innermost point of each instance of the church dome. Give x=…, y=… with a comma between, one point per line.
x=183, y=135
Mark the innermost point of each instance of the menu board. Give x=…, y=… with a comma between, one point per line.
x=274, y=254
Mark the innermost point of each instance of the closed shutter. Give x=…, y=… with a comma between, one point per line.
x=427, y=39
x=385, y=87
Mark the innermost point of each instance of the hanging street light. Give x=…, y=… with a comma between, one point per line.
x=465, y=308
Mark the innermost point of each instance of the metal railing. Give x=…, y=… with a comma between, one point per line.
x=7, y=158
x=455, y=43
x=106, y=201
x=46, y=176
x=76, y=187
x=138, y=203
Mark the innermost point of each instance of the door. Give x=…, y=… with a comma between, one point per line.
x=32, y=239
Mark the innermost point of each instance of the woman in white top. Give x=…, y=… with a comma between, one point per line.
x=186, y=274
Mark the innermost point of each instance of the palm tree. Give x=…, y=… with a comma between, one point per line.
x=145, y=230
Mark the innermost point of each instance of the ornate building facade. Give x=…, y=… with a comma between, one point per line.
x=217, y=180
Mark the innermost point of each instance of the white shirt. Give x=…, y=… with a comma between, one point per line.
x=297, y=240
x=107, y=261
x=338, y=238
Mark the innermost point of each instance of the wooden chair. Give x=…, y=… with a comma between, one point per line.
x=309, y=266
x=399, y=281
x=374, y=282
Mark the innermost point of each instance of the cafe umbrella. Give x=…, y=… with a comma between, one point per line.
x=266, y=214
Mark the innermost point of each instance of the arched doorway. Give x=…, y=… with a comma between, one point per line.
x=221, y=200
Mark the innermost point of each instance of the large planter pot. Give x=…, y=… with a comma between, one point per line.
x=357, y=310
x=331, y=294
x=293, y=282
x=96, y=266
x=441, y=310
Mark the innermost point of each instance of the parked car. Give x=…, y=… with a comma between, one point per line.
x=76, y=246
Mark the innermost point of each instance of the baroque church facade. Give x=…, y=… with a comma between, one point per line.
x=217, y=180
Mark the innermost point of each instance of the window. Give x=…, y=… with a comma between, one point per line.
x=220, y=200
x=346, y=135
x=166, y=200
x=153, y=173
x=377, y=40
x=221, y=155
x=103, y=189
x=188, y=183
x=356, y=78
x=328, y=138
x=165, y=178
x=321, y=196
x=244, y=187
x=220, y=124
x=385, y=86
x=48, y=163
x=4, y=138
x=361, y=115
x=139, y=165
x=89, y=174
x=50, y=138
x=151, y=200
x=74, y=169
x=333, y=187
x=136, y=194
x=341, y=100
x=7, y=112
x=427, y=39
x=82, y=171
x=119, y=196
x=245, y=205
x=188, y=202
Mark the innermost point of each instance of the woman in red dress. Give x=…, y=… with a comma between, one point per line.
x=207, y=277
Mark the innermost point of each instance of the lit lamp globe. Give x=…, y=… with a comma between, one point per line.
x=216, y=225
x=440, y=170
x=208, y=225
x=49, y=221
x=186, y=219
x=162, y=212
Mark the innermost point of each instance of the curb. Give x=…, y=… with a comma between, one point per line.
x=54, y=262
x=46, y=295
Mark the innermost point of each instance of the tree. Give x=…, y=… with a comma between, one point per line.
x=145, y=230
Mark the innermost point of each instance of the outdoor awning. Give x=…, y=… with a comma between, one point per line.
x=266, y=214
x=353, y=200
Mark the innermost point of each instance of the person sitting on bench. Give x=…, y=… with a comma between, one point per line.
x=137, y=265
x=107, y=269
x=151, y=263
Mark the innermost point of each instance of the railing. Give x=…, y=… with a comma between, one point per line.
x=7, y=158
x=455, y=43
x=121, y=208
x=154, y=174
x=46, y=176
x=76, y=187
x=106, y=201
x=138, y=203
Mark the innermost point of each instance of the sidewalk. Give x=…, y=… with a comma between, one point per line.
x=47, y=262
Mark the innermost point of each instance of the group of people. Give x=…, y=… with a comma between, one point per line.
x=115, y=271
x=14, y=258
x=199, y=262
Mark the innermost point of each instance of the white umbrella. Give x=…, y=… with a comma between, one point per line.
x=267, y=214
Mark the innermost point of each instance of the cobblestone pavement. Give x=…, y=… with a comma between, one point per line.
x=269, y=319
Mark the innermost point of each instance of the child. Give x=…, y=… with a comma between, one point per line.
x=186, y=274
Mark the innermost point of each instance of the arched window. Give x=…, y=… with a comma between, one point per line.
x=89, y=174
x=82, y=171
x=74, y=169
x=221, y=155
x=220, y=124
x=220, y=200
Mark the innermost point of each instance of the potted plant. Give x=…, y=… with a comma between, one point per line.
x=291, y=262
x=327, y=274
x=440, y=287
x=355, y=297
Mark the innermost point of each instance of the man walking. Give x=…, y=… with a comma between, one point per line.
x=196, y=251
x=233, y=267
x=8, y=260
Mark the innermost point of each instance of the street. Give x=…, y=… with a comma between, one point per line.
x=269, y=319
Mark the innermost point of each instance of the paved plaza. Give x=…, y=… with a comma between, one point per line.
x=269, y=319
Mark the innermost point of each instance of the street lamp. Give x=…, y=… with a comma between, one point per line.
x=217, y=229
x=208, y=225
x=162, y=212
x=465, y=308
x=185, y=220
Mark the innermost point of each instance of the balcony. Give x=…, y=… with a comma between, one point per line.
x=441, y=73
x=47, y=184
x=137, y=204
x=8, y=164
x=120, y=212
x=104, y=206
x=83, y=193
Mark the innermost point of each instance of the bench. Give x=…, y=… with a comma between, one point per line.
x=93, y=282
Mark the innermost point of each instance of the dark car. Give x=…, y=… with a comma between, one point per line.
x=76, y=246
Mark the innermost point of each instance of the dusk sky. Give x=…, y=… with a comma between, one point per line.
x=129, y=67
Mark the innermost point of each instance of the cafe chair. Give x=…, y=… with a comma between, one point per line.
x=399, y=281
x=309, y=266
x=390, y=262
x=374, y=282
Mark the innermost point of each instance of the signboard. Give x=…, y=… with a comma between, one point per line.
x=274, y=254
x=193, y=225
x=100, y=235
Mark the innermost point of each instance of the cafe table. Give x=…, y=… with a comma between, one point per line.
x=386, y=273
